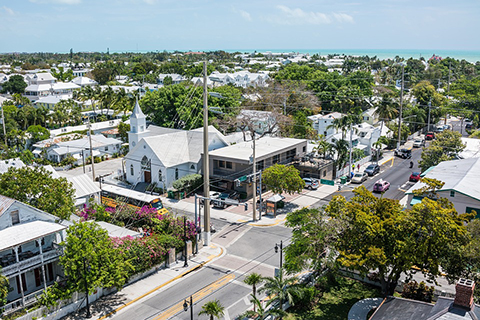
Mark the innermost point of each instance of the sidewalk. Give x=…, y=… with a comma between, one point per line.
x=237, y=214
x=114, y=303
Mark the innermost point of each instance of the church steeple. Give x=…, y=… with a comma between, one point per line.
x=138, y=126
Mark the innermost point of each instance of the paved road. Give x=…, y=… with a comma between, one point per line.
x=247, y=249
x=396, y=172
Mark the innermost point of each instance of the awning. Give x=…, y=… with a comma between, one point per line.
x=416, y=200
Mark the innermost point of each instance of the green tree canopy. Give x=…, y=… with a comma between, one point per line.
x=89, y=252
x=15, y=84
x=37, y=187
x=445, y=147
x=280, y=178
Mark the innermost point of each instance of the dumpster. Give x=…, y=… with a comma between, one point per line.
x=343, y=179
x=170, y=193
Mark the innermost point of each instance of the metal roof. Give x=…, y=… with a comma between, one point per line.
x=27, y=232
x=458, y=175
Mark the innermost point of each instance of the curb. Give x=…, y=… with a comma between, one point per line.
x=181, y=275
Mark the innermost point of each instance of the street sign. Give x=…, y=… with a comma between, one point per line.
x=329, y=182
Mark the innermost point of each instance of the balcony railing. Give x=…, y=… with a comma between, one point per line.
x=35, y=260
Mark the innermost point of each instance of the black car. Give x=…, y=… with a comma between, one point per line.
x=228, y=199
x=372, y=169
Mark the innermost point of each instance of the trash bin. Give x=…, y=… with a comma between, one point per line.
x=170, y=194
x=343, y=179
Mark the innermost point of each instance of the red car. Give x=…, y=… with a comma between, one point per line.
x=414, y=177
x=381, y=186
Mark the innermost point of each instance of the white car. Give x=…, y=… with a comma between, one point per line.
x=359, y=177
x=418, y=143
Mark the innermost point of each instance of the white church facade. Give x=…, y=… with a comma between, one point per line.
x=162, y=155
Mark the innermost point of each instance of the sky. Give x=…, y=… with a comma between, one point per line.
x=151, y=25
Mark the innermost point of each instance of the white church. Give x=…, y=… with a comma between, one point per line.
x=162, y=155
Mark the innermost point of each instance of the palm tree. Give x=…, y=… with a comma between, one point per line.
x=262, y=311
x=253, y=279
x=282, y=288
x=341, y=148
x=386, y=110
x=213, y=309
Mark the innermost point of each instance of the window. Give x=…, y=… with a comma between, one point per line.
x=15, y=217
x=131, y=169
x=452, y=193
x=229, y=165
x=43, y=242
x=276, y=159
x=160, y=178
x=176, y=173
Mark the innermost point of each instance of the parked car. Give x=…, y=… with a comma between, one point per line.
x=403, y=153
x=381, y=186
x=213, y=195
x=359, y=177
x=418, y=143
x=372, y=169
x=311, y=183
x=414, y=177
x=228, y=199
x=430, y=136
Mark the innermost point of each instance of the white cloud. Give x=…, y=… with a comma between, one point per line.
x=58, y=1
x=245, y=15
x=8, y=10
x=298, y=16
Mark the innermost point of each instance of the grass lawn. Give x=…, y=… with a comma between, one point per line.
x=335, y=302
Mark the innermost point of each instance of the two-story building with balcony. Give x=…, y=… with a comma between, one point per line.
x=29, y=251
x=235, y=161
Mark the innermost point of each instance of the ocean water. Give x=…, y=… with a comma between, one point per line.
x=471, y=56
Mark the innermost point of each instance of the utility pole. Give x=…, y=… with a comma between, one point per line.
x=4, y=130
x=91, y=150
x=448, y=87
x=428, y=122
x=401, y=109
x=206, y=173
x=254, y=179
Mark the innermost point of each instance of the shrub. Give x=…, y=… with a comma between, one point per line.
x=418, y=291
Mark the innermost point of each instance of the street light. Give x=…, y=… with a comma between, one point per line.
x=281, y=252
x=185, y=306
x=185, y=239
x=88, y=315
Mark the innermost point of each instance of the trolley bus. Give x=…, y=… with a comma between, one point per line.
x=113, y=195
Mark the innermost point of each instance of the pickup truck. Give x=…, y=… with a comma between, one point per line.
x=228, y=199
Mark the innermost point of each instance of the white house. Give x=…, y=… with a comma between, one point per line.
x=84, y=81
x=29, y=251
x=461, y=184
x=163, y=155
x=79, y=148
x=176, y=78
x=323, y=123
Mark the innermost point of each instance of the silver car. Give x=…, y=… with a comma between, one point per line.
x=359, y=177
